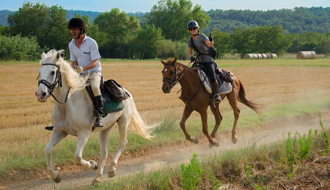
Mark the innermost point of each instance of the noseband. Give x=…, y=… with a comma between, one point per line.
x=176, y=77
x=58, y=80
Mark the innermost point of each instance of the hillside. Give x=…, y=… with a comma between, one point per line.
x=297, y=20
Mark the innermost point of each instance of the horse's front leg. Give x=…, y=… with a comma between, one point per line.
x=103, y=137
x=57, y=136
x=205, y=128
x=123, y=123
x=81, y=143
x=186, y=113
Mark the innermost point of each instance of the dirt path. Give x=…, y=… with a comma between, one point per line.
x=174, y=155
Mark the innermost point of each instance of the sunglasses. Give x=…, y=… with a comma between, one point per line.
x=190, y=29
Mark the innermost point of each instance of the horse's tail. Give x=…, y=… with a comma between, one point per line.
x=139, y=127
x=244, y=100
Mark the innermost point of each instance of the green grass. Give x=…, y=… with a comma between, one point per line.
x=252, y=167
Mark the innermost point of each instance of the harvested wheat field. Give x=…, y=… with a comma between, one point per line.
x=286, y=88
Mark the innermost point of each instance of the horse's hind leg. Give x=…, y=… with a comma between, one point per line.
x=55, y=139
x=218, y=118
x=123, y=123
x=186, y=113
x=103, y=137
x=233, y=103
x=81, y=143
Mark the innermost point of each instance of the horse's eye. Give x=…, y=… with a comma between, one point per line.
x=171, y=72
x=52, y=73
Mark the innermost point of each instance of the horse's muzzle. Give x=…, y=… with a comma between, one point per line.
x=166, y=89
x=41, y=95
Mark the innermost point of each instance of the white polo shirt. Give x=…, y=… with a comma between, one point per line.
x=87, y=52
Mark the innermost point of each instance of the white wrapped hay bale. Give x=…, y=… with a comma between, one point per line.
x=259, y=56
x=271, y=55
x=264, y=56
x=306, y=55
x=248, y=56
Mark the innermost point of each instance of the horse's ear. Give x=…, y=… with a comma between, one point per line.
x=58, y=56
x=43, y=55
x=163, y=62
x=176, y=58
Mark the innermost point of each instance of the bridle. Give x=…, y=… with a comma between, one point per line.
x=57, y=81
x=176, y=77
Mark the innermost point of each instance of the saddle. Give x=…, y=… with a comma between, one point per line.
x=223, y=77
x=112, y=94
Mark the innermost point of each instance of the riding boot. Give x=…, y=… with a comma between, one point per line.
x=99, y=108
x=216, y=89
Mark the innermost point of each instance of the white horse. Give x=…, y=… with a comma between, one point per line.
x=74, y=115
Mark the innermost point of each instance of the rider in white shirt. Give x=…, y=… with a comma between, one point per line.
x=85, y=56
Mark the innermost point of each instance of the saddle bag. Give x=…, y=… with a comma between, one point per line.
x=225, y=75
x=115, y=90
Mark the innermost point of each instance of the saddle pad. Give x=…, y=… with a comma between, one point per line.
x=109, y=105
x=225, y=87
x=205, y=80
x=113, y=106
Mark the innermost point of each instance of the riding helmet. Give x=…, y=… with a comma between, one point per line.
x=192, y=24
x=77, y=22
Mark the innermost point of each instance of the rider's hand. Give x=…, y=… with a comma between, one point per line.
x=79, y=69
x=192, y=59
x=210, y=38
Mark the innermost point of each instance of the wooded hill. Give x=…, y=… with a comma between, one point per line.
x=298, y=20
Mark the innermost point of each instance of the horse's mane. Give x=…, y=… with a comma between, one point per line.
x=181, y=64
x=72, y=78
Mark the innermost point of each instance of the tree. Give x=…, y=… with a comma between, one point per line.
x=221, y=42
x=242, y=41
x=120, y=30
x=147, y=42
x=172, y=17
x=47, y=24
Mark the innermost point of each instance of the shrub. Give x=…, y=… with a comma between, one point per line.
x=19, y=48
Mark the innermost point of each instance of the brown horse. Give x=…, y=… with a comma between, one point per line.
x=196, y=98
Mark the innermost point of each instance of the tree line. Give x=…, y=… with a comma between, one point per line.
x=162, y=33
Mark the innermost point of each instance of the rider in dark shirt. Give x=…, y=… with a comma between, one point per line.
x=202, y=43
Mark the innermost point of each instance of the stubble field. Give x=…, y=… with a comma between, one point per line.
x=285, y=87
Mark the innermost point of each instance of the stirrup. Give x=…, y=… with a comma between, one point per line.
x=99, y=122
x=217, y=98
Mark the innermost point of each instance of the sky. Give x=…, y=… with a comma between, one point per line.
x=146, y=5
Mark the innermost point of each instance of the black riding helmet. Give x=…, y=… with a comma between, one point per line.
x=77, y=23
x=192, y=24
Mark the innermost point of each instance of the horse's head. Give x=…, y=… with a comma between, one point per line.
x=171, y=72
x=49, y=74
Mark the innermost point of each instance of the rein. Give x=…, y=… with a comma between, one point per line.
x=58, y=80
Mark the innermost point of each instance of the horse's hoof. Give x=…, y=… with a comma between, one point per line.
x=94, y=165
x=194, y=140
x=58, y=179
x=216, y=144
x=96, y=182
x=111, y=174
x=234, y=139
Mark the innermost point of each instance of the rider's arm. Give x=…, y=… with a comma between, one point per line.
x=91, y=65
x=74, y=64
x=209, y=43
x=190, y=51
